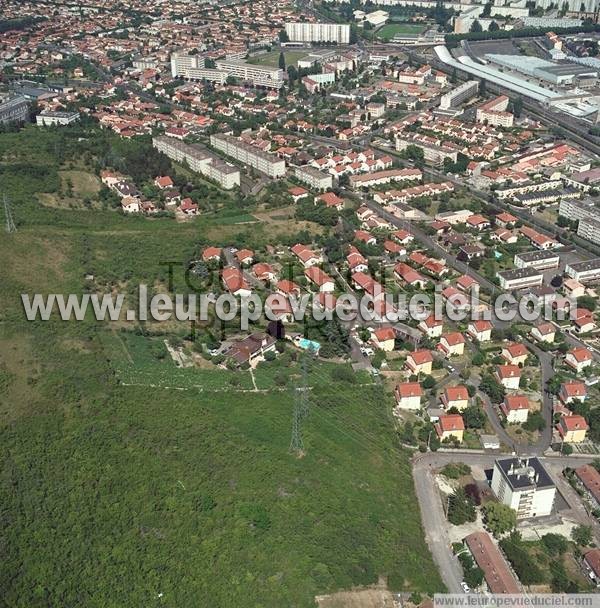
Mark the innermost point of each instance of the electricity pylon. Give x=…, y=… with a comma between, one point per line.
x=10, y=223
x=301, y=405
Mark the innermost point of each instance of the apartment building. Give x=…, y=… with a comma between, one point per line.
x=385, y=177
x=318, y=32
x=584, y=272
x=314, y=178
x=578, y=210
x=47, y=118
x=191, y=67
x=519, y=278
x=454, y=98
x=524, y=485
x=529, y=187
x=250, y=155
x=494, y=112
x=258, y=75
x=537, y=259
x=589, y=229
x=200, y=160
x=431, y=153
x=15, y=109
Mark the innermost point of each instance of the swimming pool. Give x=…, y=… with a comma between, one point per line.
x=309, y=345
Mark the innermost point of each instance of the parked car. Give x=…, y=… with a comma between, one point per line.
x=465, y=587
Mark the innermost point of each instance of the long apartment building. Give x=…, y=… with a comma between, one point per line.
x=578, y=210
x=259, y=75
x=318, y=32
x=250, y=155
x=191, y=67
x=314, y=178
x=589, y=229
x=434, y=154
x=15, y=109
x=200, y=160
x=454, y=98
x=584, y=272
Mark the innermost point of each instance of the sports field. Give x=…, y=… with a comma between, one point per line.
x=388, y=31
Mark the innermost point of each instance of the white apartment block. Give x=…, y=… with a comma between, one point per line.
x=200, y=160
x=589, y=229
x=537, y=259
x=314, y=178
x=519, y=278
x=494, y=112
x=454, y=98
x=266, y=163
x=584, y=272
x=524, y=485
x=318, y=32
x=259, y=75
x=47, y=118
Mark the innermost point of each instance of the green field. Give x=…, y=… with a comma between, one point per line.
x=129, y=482
x=388, y=31
x=272, y=58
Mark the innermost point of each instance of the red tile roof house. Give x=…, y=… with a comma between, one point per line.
x=450, y=426
x=572, y=391
x=572, y=428
x=297, y=193
x=330, y=199
x=452, y=344
x=384, y=338
x=288, y=288
x=509, y=376
x=590, y=479
x=455, y=396
x=320, y=278
x=306, y=255
x=263, y=272
x=515, y=353
x=365, y=237
x=163, y=182
x=245, y=256
x=579, y=358
x=431, y=326
x=234, y=282
x=420, y=362
x=408, y=275
x=515, y=408
x=466, y=283
x=211, y=253
x=408, y=395
x=188, y=207
x=480, y=330
x=591, y=561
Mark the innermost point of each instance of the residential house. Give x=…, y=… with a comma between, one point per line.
x=573, y=390
x=515, y=408
x=509, y=376
x=480, y=330
x=408, y=395
x=579, y=358
x=452, y=344
x=455, y=397
x=572, y=429
x=450, y=427
x=245, y=256
x=235, y=283
x=384, y=338
x=544, y=332
x=420, y=362
x=431, y=326
x=515, y=353
x=320, y=278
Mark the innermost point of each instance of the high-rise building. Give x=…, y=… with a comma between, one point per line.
x=524, y=485
x=259, y=75
x=318, y=32
x=192, y=67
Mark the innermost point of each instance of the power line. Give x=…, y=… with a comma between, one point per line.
x=301, y=404
x=10, y=223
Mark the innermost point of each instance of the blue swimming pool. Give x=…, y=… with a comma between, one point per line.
x=309, y=345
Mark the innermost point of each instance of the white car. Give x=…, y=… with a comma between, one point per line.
x=365, y=350
x=465, y=587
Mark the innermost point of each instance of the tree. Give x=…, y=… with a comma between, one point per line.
x=473, y=417
x=582, y=535
x=283, y=37
x=492, y=388
x=535, y=422
x=281, y=61
x=460, y=508
x=517, y=106
x=494, y=27
x=473, y=577
x=476, y=27
x=499, y=518
x=555, y=544
x=522, y=562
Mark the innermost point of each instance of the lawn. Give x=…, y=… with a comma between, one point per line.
x=388, y=31
x=271, y=58
x=129, y=482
